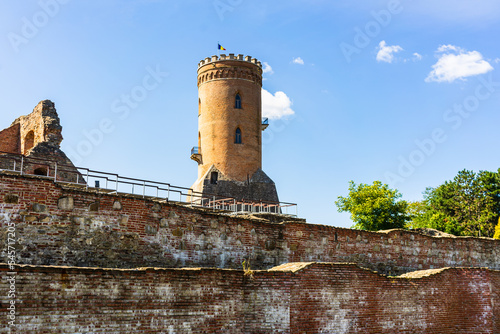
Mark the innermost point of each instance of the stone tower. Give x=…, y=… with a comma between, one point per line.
x=230, y=125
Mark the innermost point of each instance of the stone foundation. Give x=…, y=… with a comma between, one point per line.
x=258, y=187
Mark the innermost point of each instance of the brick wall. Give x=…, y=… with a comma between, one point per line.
x=9, y=139
x=295, y=298
x=332, y=298
x=76, y=300
x=42, y=125
x=34, y=139
x=495, y=297
x=71, y=226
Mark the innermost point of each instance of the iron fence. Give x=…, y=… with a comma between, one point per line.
x=113, y=183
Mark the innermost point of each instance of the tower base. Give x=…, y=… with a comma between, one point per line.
x=258, y=187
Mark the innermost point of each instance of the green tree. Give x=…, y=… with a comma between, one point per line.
x=497, y=230
x=374, y=207
x=431, y=212
x=467, y=205
x=417, y=212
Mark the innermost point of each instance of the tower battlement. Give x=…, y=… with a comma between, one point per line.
x=231, y=56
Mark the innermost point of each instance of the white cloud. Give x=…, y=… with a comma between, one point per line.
x=449, y=47
x=267, y=68
x=417, y=56
x=497, y=60
x=276, y=106
x=386, y=52
x=456, y=63
x=298, y=60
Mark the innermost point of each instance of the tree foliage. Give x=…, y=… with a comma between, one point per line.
x=374, y=207
x=497, y=231
x=467, y=205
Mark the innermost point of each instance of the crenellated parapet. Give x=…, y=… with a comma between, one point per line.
x=230, y=67
x=231, y=56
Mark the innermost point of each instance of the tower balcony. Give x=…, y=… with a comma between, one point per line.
x=196, y=154
x=265, y=123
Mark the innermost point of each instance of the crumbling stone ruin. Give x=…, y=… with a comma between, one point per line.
x=32, y=142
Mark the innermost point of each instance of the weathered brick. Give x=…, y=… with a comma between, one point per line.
x=318, y=298
x=293, y=298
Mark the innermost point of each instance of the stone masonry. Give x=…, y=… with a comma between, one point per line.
x=67, y=225
x=33, y=140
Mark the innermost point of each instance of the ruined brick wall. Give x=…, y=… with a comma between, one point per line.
x=42, y=125
x=495, y=296
x=59, y=225
x=10, y=139
x=332, y=298
x=297, y=298
x=76, y=300
x=35, y=139
x=267, y=301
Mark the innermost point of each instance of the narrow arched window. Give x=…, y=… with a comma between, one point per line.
x=237, y=101
x=199, y=107
x=29, y=141
x=237, y=136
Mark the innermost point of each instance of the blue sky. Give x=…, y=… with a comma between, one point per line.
x=406, y=92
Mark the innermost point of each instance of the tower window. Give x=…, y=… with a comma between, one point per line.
x=237, y=101
x=214, y=176
x=237, y=136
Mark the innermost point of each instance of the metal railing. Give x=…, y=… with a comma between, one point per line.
x=113, y=183
x=265, y=121
x=23, y=165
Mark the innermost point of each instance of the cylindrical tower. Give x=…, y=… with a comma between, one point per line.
x=229, y=152
x=229, y=97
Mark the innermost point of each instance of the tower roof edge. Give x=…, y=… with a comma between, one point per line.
x=232, y=57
